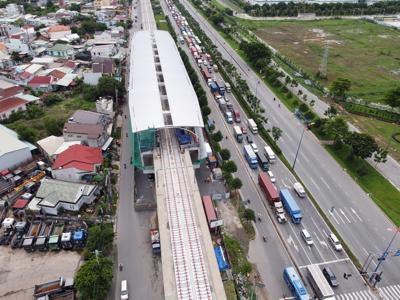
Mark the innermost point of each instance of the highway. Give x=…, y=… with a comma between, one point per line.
x=272, y=256
x=357, y=218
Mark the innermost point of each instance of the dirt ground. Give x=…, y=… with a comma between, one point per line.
x=20, y=271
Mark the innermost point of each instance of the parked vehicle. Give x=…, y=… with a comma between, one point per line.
x=124, y=290
x=66, y=241
x=20, y=229
x=79, y=239
x=263, y=162
x=269, y=154
x=54, y=239
x=269, y=189
x=238, y=134
x=252, y=126
x=155, y=241
x=30, y=238
x=53, y=287
x=291, y=206
x=250, y=156
x=299, y=189
x=307, y=237
x=334, y=241
x=41, y=240
x=330, y=277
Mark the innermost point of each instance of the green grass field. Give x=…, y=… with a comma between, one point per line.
x=366, y=53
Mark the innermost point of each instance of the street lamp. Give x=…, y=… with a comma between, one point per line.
x=298, y=148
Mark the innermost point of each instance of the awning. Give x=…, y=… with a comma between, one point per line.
x=107, y=144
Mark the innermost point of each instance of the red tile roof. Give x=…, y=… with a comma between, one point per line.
x=57, y=74
x=40, y=80
x=58, y=28
x=20, y=203
x=80, y=157
x=12, y=91
x=69, y=64
x=10, y=103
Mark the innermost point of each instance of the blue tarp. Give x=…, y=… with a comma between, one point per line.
x=78, y=235
x=183, y=138
x=222, y=264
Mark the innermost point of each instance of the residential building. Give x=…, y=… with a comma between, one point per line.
x=52, y=145
x=17, y=43
x=77, y=163
x=11, y=105
x=53, y=195
x=104, y=67
x=13, y=152
x=98, y=4
x=105, y=105
x=61, y=50
x=93, y=135
x=41, y=83
x=58, y=32
x=90, y=117
x=14, y=9
x=103, y=51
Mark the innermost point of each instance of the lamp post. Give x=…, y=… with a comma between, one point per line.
x=298, y=148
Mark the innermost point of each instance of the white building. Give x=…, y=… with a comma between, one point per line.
x=13, y=152
x=14, y=9
x=103, y=51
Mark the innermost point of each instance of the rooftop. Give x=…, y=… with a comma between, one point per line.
x=20, y=204
x=92, y=130
x=148, y=107
x=87, y=117
x=58, y=28
x=41, y=80
x=7, y=104
x=9, y=142
x=60, y=47
x=80, y=157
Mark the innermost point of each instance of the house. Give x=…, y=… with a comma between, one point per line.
x=52, y=145
x=105, y=106
x=104, y=67
x=61, y=50
x=53, y=195
x=13, y=152
x=58, y=32
x=103, y=51
x=17, y=44
x=90, y=117
x=77, y=163
x=93, y=135
x=11, y=105
x=13, y=9
x=41, y=83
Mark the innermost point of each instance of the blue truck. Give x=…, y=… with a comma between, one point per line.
x=221, y=88
x=291, y=206
x=214, y=87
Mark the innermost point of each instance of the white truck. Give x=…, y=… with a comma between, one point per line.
x=269, y=154
x=252, y=126
x=279, y=212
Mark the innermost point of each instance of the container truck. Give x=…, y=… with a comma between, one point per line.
x=262, y=161
x=291, y=206
x=214, y=87
x=206, y=75
x=30, y=237
x=66, y=240
x=54, y=239
x=236, y=114
x=41, y=240
x=53, y=287
x=250, y=156
x=221, y=89
x=269, y=189
x=252, y=126
x=238, y=134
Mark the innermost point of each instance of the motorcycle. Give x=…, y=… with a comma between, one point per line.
x=264, y=238
x=259, y=217
x=248, y=201
x=124, y=166
x=120, y=267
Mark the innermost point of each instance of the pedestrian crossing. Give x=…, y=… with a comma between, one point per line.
x=358, y=295
x=390, y=292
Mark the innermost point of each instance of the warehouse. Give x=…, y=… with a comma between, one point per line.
x=13, y=152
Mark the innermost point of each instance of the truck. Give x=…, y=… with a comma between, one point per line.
x=30, y=238
x=41, y=240
x=279, y=212
x=66, y=240
x=291, y=206
x=155, y=241
x=252, y=126
x=20, y=228
x=79, y=239
x=54, y=239
x=53, y=287
x=236, y=115
x=221, y=89
x=262, y=161
x=206, y=75
x=214, y=87
x=268, y=188
x=250, y=156
x=238, y=133
x=269, y=154
x=227, y=87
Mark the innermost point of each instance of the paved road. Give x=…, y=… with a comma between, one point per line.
x=359, y=221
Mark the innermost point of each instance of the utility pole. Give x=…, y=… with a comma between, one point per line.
x=298, y=148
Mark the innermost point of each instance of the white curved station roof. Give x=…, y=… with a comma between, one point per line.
x=145, y=96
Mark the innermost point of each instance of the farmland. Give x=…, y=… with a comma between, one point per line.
x=366, y=53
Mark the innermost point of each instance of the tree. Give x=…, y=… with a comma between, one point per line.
x=235, y=184
x=205, y=110
x=336, y=128
x=100, y=237
x=276, y=133
x=53, y=126
x=107, y=86
x=362, y=145
x=339, y=87
x=225, y=154
x=229, y=166
x=392, y=98
x=15, y=56
x=34, y=111
x=93, y=279
x=249, y=215
x=217, y=136
x=380, y=156
x=75, y=7
x=51, y=99
x=330, y=112
x=89, y=93
x=27, y=133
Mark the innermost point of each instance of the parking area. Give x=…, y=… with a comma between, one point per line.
x=20, y=271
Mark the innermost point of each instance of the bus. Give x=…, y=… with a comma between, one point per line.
x=270, y=154
x=264, y=164
x=250, y=156
x=252, y=126
x=295, y=284
x=319, y=284
x=238, y=134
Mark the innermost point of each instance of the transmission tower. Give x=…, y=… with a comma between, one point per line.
x=322, y=71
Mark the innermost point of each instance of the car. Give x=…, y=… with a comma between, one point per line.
x=299, y=189
x=334, y=241
x=244, y=130
x=330, y=277
x=249, y=139
x=124, y=290
x=254, y=146
x=271, y=176
x=307, y=237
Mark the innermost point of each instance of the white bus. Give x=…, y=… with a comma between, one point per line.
x=269, y=154
x=318, y=283
x=252, y=126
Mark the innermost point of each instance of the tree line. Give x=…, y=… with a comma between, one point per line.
x=292, y=9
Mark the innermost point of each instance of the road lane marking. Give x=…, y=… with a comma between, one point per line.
x=323, y=180
x=333, y=216
x=338, y=215
x=327, y=262
x=354, y=212
x=348, y=220
x=316, y=185
x=291, y=241
x=351, y=216
x=301, y=245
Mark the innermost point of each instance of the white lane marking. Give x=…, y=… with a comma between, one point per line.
x=360, y=294
x=316, y=185
x=338, y=215
x=354, y=212
x=351, y=215
x=316, y=247
x=333, y=216
x=325, y=183
x=351, y=296
x=348, y=220
x=385, y=294
x=298, y=240
x=397, y=288
x=305, y=158
x=393, y=291
x=327, y=262
x=370, y=294
x=285, y=184
x=291, y=241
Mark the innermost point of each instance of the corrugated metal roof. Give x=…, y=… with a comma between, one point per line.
x=9, y=142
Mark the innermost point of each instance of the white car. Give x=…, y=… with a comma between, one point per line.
x=334, y=241
x=124, y=290
x=299, y=189
x=307, y=237
x=271, y=176
x=254, y=146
